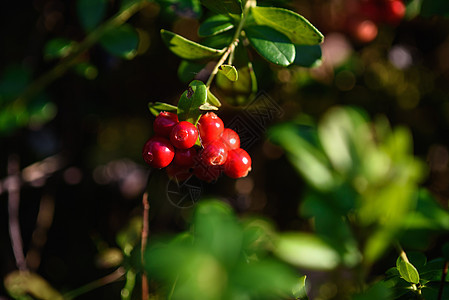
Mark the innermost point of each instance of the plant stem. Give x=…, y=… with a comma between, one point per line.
x=144, y=239
x=73, y=57
x=443, y=280
x=401, y=252
x=234, y=42
x=114, y=276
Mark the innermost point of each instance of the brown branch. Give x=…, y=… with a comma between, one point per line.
x=443, y=280
x=145, y=230
x=12, y=185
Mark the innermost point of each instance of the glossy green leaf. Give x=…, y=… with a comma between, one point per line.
x=271, y=44
x=407, y=271
x=59, y=47
x=156, y=107
x=187, y=49
x=225, y=7
x=121, y=41
x=308, y=55
x=297, y=28
x=215, y=25
x=212, y=99
x=299, y=290
x=229, y=71
x=187, y=70
x=20, y=283
x=91, y=12
x=190, y=102
x=306, y=251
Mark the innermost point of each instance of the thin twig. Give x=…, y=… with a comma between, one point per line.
x=443, y=280
x=13, y=188
x=114, y=276
x=144, y=239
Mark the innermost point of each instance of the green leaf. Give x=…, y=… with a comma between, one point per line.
x=190, y=102
x=308, y=55
x=20, y=283
x=59, y=47
x=215, y=25
x=156, y=107
x=121, y=41
x=187, y=70
x=91, y=12
x=207, y=106
x=212, y=99
x=299, y=290
x=407, y=271
x=188, y=49
x=297, y=28
x=231, y=8
x=306, y=251
x=271, y=44
x=229, y=71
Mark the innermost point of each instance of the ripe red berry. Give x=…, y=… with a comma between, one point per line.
x=210, y=127
x=238, y=163
x=183, y=135
x=394, y=11
x=164, y=123
x=207, y=173
x=230, y=138
x=214, y=154
x=185, y=157
x=158, y=152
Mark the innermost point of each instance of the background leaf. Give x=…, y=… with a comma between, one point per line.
x=91, y=12
x=229, y=71
x=215, y=25
x=271, y=44
x=308, y=56
x=188, y=49
x=121, y=41
x=232, y=8
x=190, y=102
x=297, y=28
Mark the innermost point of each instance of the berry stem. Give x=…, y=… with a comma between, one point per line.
x=144, y=239
x=233, y=44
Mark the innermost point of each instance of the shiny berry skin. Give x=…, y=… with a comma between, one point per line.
x=158, y=152
x=164, y=123
x=210, y=127
x=183, y=135
x=185, y=157
x=214, y=154
x=238, y=163
x=230, y=138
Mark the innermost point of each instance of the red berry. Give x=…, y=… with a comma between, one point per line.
x=238, y=163
x=210, y=127
x=158, y=152
x=394, y=11
x=185, y=157
x=179, y=173
x=230, y=138
x=207, y=173
x=164, y=123
x=214, y=154
x=183, y=135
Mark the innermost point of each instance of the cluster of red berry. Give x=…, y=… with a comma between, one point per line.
x=173, y=147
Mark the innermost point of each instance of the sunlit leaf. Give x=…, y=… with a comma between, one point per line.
x=271, y=44
x=407, y=271
x=190, y=102
x=187, y=49
x=20, y=283
x=294, y=26
x=212, y=99
x=215, y=25
x=299, y=290
x=121, y=41
x=229, y=71
x=207, y=106
x=156, y=107
x=91, y=12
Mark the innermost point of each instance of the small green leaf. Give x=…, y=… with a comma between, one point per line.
x=232, y=8
x=188, y=49
x=191, y=101
x=212, y=99
x=91, y=12
x=156, y=107
x=121, y=41
x=407, y=271
x=229, y=71
x=308, y=55
x=59, y=47
x=271, y=44
x=297, y=28
x=299, y=290
x=215, y=25
x=207, y=106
